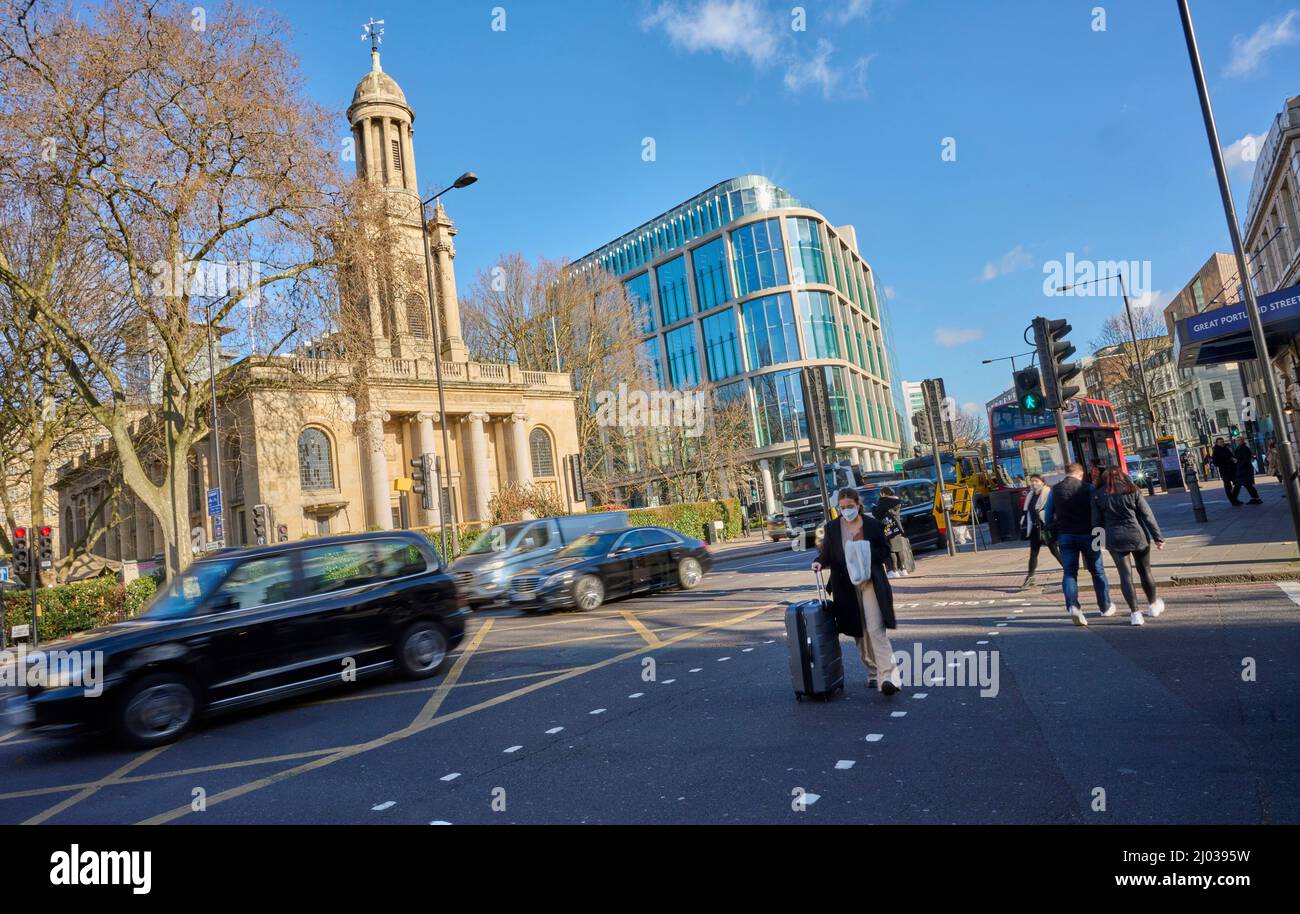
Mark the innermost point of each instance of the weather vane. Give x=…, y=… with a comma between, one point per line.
x=374, y=30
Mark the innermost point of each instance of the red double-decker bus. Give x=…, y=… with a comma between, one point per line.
x=1024, y=444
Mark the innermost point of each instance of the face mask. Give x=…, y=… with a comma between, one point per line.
x=850, y=514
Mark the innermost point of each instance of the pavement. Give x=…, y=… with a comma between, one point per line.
x=1249, y=543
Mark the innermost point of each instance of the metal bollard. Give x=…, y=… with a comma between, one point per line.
x=1194, y=489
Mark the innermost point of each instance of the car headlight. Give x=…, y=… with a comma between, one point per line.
x=560, y=577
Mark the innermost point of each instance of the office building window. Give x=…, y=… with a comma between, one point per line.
x=638, y=293
x=806, y=239
x=674, y=300
x=759, y=256
x=683, y=357
x=710, y=263
x=651, y=363
x=770, y=334
x=818, y=325
x=721, y=348
x=778, y=408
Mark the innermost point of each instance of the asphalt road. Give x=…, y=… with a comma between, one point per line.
x=677, y=708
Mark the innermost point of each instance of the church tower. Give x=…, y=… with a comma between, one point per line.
x=382, y=133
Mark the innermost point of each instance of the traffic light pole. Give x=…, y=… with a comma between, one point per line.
x=31, y=583
x=1062, y=439
x=1274, y=403
x=938, y=483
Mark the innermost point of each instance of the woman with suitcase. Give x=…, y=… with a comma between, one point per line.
x=854, y=551
x=888, y=511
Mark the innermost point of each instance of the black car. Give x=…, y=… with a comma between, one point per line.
x=601, y=566
x=255, y=625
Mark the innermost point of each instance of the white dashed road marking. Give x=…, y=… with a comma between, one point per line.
x=844, y=764
x=875, y=737
x=697, y=669
x=450, y=777
x=668, y=682
x=513, y=749
x=554, y=730
x=636, y=694
x=439, y=822
x=898, y=714
x=920, y=694
x=597, y=711
x=382, y=806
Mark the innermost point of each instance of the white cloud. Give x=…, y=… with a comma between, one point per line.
x=731, y=27
x=1156, y=299
x=1015, y=259
x=750, y=29
x=852, y=9
x=890, y=293
x=956, y=336
x=818, y=71
x=1243, y=153
x=1248, y=53
x=973, y=409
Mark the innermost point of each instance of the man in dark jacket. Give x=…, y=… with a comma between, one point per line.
x=1069, y=513
x=1246, y=473
x=1227, y=467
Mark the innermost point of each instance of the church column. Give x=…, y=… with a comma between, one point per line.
x=521, y=465
x=379, y=509
x=426, y=443
x=477, y=471
x=769, y=497
x=408, y=157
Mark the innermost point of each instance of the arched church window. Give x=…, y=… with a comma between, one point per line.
x=539, y=446
x=315, y=462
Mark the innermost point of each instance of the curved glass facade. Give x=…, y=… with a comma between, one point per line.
x=750, y=283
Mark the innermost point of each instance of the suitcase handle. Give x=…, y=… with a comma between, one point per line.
x=821, y=587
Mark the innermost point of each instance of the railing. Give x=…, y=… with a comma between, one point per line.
x=423, y=369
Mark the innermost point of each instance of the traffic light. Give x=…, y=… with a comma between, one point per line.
x=422, y=477
x=45, y=547
x=1053, y=350
x=1029, y=390
x=22, y=554
x=1234, y=432
x=262, y=524
x=938, y=408
x=921, y=426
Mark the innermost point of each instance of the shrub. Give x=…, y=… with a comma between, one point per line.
x=690, y=517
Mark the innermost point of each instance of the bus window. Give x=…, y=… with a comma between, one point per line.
x=1041, y=458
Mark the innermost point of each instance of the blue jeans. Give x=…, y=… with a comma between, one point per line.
x=1072, y=545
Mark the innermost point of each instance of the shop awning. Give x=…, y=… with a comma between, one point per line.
x=1223, y=334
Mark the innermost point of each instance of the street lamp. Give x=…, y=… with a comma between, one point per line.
x=465, y=180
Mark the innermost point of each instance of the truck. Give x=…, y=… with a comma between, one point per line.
x=801, y=494
x=483, y=572
x=963, y=468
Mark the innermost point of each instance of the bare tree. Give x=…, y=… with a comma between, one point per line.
x=198, y=151
x=1120, y=362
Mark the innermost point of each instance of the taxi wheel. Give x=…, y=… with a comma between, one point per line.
x=421, y=650
x=155, y=710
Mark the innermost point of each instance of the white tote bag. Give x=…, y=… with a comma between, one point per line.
x=857, y=556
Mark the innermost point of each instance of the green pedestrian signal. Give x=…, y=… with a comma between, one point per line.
x=1029, y=390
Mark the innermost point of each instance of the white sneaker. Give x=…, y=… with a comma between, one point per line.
x=891, y=574
x=904, y=573
x=1109, y=610
x=1135, y=618
x=1077, y=615
x=1156, y=608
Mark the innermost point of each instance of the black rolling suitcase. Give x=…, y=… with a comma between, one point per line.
x=816, y=664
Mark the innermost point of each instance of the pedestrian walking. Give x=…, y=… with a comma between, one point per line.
x=854, y=550
x=1271, y=466
x=1035, y=526
x=888, y=510
x=1130, y=530
x=1246, y=474
x=1226, y=464
x=1069, y=513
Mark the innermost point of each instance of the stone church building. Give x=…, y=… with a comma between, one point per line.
x=294, y=439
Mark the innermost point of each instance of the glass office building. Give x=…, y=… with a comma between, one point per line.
x=739, y=287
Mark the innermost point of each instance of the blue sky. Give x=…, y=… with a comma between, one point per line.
x=1069, y=139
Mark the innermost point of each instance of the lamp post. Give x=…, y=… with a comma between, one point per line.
x=1273, y=402
x=465, y=180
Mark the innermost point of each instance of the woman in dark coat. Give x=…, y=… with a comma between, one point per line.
x=1130, y=528
x=862, y=611
x=888, y=510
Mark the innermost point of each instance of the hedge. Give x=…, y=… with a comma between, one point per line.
x=466, y=534
x=66, y=609
x=690, y=517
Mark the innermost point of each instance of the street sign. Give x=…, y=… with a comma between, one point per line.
x=21, y=631
x=4, y=572
x=214, y=502
x=218, y=528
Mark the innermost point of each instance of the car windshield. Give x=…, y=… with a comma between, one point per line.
x=588, y=545
x=497, y=539
x=806, y=484
x=870, y=497
x=186, y=591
